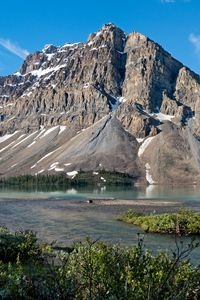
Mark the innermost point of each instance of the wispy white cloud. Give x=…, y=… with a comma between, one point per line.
x=167, y=1
x=173, y=1
x=195, y=40
x=15, y=49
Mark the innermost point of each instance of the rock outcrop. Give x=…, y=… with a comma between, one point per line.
x=104, y=145
x=143, y=98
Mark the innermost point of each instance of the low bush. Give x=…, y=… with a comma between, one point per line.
x=182, y=222
x=96, y=270
x=21, y=244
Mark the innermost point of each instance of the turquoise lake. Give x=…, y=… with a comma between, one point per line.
x=64, y=216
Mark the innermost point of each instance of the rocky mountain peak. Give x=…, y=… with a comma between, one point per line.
x=109, y=35
x=49, y=48
x=75, y=86
x=135, y=39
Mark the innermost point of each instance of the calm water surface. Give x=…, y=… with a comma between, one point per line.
x=65, y=217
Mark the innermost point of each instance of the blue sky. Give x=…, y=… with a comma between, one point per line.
x=26, y=26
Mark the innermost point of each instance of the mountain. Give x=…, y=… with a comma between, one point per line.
x=118, y=102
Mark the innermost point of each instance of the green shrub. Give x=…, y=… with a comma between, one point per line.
x=22, y=244
x=183, y=222
x=96, y=270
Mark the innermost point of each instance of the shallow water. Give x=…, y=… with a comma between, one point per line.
x=119, y=192
x=65, y=217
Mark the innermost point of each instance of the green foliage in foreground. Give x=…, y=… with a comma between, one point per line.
x=183, y=222
x=95, y=270
x=101, y=177
x=21, y=244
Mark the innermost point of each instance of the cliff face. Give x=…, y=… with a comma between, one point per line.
x=126, y=78
x=73, y=84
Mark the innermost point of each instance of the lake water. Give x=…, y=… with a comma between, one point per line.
x=65, y=217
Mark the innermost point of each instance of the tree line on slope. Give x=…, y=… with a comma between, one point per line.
x=101, y=177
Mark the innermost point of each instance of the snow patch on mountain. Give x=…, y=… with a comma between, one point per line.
x=41, y=72
x=148, y=175
x=48, y=131
x=117, y=102
x=7, y=136
x=162, y=117
x=144, y=145
x=47, y=155
x=72, y=174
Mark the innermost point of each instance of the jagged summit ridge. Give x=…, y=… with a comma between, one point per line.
x=74, y=86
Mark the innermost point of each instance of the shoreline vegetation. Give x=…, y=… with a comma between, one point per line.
x=100, y=177
x=183, y=222
x=93, y=270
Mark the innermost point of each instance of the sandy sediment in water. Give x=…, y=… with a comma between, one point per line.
x=133, y=202
x=142, y=205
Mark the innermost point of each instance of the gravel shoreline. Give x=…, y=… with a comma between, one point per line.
x=117, y=207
